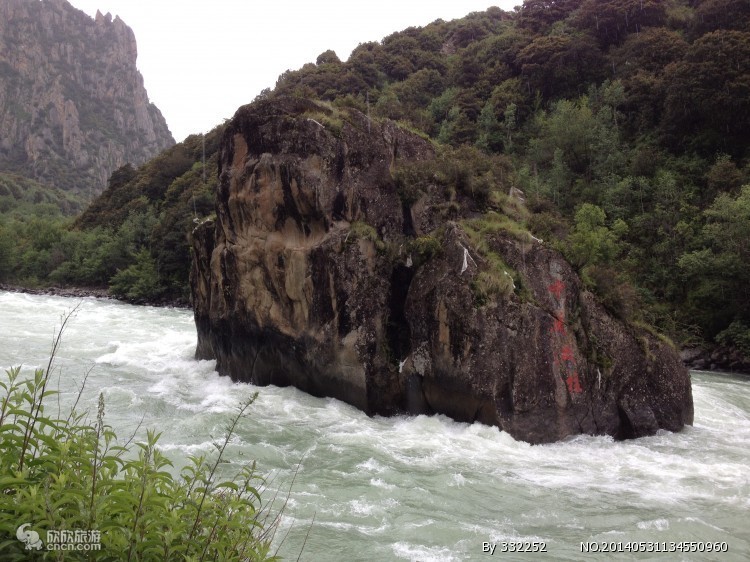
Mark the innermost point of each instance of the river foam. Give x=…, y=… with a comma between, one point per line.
x=403, y=488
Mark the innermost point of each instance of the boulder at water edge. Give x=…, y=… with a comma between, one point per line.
x=317, y=273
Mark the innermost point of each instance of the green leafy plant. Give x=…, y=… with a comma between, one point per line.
x=70, y=473
x=737, y=335
x=497, y=279
x=423, y=249
x=139, y=280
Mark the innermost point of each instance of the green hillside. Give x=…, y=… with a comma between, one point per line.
x=22, y=196
x=133, y=239
x=625, y=123
x=641, y=108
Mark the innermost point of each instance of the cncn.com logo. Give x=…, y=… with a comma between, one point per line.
x=80, y=540
x=30, y=537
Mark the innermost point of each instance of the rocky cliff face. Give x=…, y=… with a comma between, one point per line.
x=73, y=107
x=312, y=275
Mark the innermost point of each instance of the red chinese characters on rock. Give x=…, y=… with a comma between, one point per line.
x=565, y=358
x=556, y=289
x=566, y=354
x=573, y=383
x=565, y=362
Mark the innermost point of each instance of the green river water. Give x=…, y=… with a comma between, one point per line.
x=405, y=488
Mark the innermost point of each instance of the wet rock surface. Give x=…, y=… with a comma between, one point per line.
x=716, y=358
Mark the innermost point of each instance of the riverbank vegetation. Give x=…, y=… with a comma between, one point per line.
x=626, y=125
x=131, y=240
x=70, y=472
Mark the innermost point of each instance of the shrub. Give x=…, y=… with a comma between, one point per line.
x=736, y=335
x=70, y=474
x=413, y=179
x=489, y=285
x=480, y=228
x=497, y=279
x=330, y=117
x=478, y=177
x=362, y=230
x=139, y=281
x=614, y=292
x=423, y=249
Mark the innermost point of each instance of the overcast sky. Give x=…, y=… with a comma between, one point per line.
x=202, y=60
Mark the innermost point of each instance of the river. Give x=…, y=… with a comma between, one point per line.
x=403, y=488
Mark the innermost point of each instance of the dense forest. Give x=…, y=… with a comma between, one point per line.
x=625, y=123
x=132, y=239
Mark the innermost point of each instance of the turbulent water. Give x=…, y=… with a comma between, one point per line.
x=420, y=488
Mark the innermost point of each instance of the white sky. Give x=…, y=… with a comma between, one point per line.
x=201, y=60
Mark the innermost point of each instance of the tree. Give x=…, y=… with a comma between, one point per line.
x=441, y=105
x=363, y=63
x=389, y=105
x=707, y=105
x=467, y=32
x=490, y=133
x=419, y=88
x=639, y=62
x=539, y=15
x=723, y=176
x=139, y=281
x=569, y=127
x=591, y=241
x=712, y=15
x=718, y=274
x=610, y=21
x=503, y=49
x=457, y=128
x=561, y=65
x=650, y=51
x=327, y=57
x=7, y=260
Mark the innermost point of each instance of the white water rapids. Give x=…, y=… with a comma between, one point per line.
x=404, y=488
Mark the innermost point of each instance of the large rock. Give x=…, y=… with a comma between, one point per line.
x=73, y=107
x=303, y=280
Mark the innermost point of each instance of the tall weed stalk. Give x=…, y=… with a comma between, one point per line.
x=69, y=473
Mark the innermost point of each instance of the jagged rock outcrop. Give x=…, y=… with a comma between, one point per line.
x=302, y=279
x=73, y=107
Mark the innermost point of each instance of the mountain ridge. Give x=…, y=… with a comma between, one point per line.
x=73, y=106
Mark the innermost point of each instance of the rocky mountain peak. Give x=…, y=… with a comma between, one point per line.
x=73, y=106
